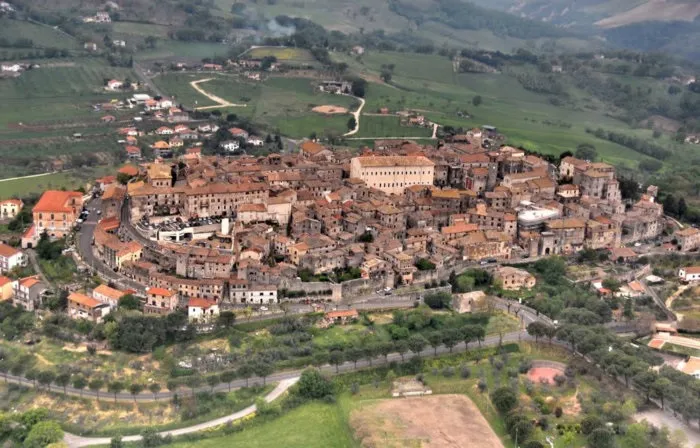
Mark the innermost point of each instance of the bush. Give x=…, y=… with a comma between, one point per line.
x=590, y=423
x=558, y=412
x=448, y=372
x=313, y=385
x=504, y=399
x=354, y=388
x=465, y=372
x=559, y=380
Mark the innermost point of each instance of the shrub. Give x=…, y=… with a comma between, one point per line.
x=590, y=423
x=465, y=372
x=354, y=388
x=525, y=366
x=314, y=385
x=558, y=412
x=560, y=380
x=482, y=386
x=448, y=372
x=504, y=399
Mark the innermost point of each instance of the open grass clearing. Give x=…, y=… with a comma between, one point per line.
x=281, y=53
x=42, y=36
x=171, y=50
x=389, y=126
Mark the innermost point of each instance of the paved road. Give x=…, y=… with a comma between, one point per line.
x=75, y=441
x=84, y=244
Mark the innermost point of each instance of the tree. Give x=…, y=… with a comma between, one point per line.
x=438, y=300
x=336, y=357
x=670, y=205
x=682, y=207
x=384, y=349
x=601, y=438
x=590, y=423
x=245, y=371
x=586, y=151
x=312, y=384
x=116, y=442
x=417, y=343
x=477, y=101
x=354, y=354
x=95, y=385
x=135, y=389
x=660, y=389
x=227, y=377
x=386, y=76
x=62, y=380
x=114, y=388
x=212, y=381
x=401, y=347
x=42, y=434
x=369, y=351
x=538, y=329
x=45, y=378
x=193, y=382
x=129, y=302
x=423, y=264
x=435, y=340
x=352, y=123
x=79, y=383
x=154, y=388
x=504, y=399
x=263, y=369
x=451, y=337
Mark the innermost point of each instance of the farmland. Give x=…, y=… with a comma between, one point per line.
x=282, y=54
x=36, y=184
x=42, y=36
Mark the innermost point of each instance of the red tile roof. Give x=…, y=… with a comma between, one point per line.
x=7, y=251
x=199, y=302
x=57, y=201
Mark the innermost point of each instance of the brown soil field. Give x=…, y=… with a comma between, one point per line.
x=540, y=374
x=438, y=421
x=330, y=110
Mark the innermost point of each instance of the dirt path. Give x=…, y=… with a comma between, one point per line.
x=673, y=297
x=30, y=176
x=74, y=441
x=220, y=101
x=356, y=114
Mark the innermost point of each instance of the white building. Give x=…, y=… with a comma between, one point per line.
x=230, y=145
x=11, y=258
x=253, y=294
x=689, y=274
x=255, y=141
x=393, y=174
x=110, y=296
x=202, y=310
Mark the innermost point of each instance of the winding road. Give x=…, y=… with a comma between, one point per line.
x=356, y=114
x=217, y=99
x=75, y=441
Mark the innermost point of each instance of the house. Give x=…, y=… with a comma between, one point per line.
x=114, y=84
x=358, y=50
x=5, y=288
x=14, y=68
x=110, y=296
x=28, y=292
x=202, y=310
x=10, y=208
x=133, y=152
x=81, y=306
x=160, y=301
x=108, y=119
x=102, y=17
x=255, y=141
x=238, y=133
x=622, y=254
x=230, y=145
x=689, y=274
x=164, y=130
x=90, y=46
x=214, y=67
x=56, y=213
x=341, y=317
x=11, y=258
x=309, y=149
x=119, y=43
x=513, y=279
x=688, y=239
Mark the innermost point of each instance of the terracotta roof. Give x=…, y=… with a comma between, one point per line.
x=7, y=251
x=161, y=292
x=57, y=201
x=84, y=300
x=129, y=170
x=114, y=192
x=252, y=208
x=566, y=223
x=12, y=201
x=342, y=313
x=133, y=150
x=28, y=282
x=312, y=148
x=459, y=228
x=690, y=231
x=109, y=292
x=692, y=270
x=198, y=302
x=161, y=145
x=380, y=161
x=4, y=280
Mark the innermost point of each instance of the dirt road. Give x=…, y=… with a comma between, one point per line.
x=356, y=114
x=220, y=101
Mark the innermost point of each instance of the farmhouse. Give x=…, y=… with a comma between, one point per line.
x=689, y=274
x=688, y=239
x=202, y=310
x=81, y=306
x=11, y=258
x=9, y=208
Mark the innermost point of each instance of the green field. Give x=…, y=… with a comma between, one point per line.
x=278, y=103
x=178, y=50
x=282, y=54
x=427, y=83
x=389, y=126
x=22, y=187
x=42, y=36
